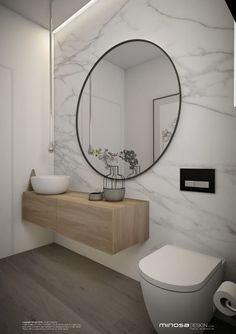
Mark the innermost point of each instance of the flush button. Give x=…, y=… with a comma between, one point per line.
x=197, y=184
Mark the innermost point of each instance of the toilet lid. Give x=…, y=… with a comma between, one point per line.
x=178, y=269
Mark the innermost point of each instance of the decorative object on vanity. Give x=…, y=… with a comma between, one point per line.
x=95, y=196
x=33, y=173
x=50, y=184
x=178, y=287
x=114, y=185
x=130, y=99
x=110, y=158
x=197, y=179
x=107, y=226
x=135, y=171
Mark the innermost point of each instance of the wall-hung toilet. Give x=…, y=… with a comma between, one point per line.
x=178, y=287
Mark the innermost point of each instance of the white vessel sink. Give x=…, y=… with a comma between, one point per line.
x=50, y=184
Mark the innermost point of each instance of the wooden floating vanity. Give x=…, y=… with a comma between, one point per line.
x=108, y=226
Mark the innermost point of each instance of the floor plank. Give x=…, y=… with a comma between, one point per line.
x=53, y=283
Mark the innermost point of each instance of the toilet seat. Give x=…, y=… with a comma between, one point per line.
x=176, y=269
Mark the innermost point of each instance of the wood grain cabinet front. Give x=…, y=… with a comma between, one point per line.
x=109, y=227
x=40, y=210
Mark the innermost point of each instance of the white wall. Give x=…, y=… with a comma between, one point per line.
x=24, y=56
x=145, y=82
x=6, y=235
x=198, y=36
x=234, y=64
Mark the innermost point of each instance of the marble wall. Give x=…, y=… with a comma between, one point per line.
x=198, y=35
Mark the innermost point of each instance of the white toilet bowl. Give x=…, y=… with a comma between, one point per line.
x=178, y=287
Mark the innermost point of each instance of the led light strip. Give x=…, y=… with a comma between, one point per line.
x=51, y=55
x=70, y=19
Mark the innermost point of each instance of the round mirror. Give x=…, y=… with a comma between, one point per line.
x=128, y=109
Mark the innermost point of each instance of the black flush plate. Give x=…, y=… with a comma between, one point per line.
x=197, y=179
x=231, y=4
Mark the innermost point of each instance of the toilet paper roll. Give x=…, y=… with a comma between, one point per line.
x=226, y=291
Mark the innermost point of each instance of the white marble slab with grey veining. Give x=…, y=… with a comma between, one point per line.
x=198, y=35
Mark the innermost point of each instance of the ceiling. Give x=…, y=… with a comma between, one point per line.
x=134, y=53
x=38, y=10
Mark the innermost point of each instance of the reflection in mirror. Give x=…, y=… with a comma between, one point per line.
x=128, y=108
x=165, y=113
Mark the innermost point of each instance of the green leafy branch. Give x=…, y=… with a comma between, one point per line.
x=130, y=157
x=109, y=158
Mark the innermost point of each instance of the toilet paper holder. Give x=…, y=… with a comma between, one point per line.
x=227, y=303
x=225, y=298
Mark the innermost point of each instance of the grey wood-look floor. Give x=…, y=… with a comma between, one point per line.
x=51, y=283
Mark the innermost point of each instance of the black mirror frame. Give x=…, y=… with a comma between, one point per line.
x=82, y=89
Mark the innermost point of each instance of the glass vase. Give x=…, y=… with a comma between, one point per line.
x=114, y=185
x=135, y=171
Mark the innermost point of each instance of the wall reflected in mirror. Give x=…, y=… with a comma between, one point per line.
x=128, y=108
x=165, y=114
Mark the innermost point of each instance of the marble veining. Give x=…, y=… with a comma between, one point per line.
x=198, y=35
